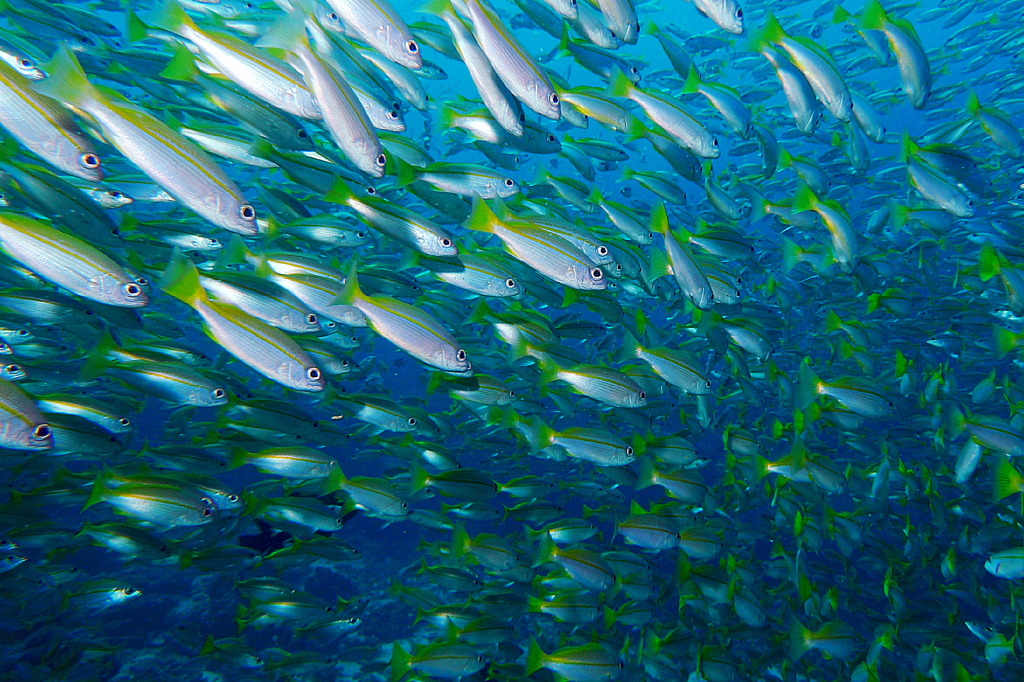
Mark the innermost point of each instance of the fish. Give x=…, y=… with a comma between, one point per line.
x=266, y=349
x=409, y=328
x=69, y=262
x=172, y=161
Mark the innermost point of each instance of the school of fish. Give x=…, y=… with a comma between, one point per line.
x=579, y=340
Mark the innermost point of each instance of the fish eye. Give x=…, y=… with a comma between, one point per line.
x=313, y=374
x=552, y=139
x=460, y=355
x=405, y=506
x=333, y=16
x=509, y=182
x=629, y=451
x=345, y=363
x=714, y=142
x=42, y=431
x=23, y=333
x=312, y=318
x=372, y=191
x=212, y=241
x=643, y=395
x=634, y=70
x=411, y=47
x=25, y=63
x=247, y=212
x=207, y=511
x=612, y=33
x=445, y=242
x=218, y=393
x=511, y=394
x=90, y=160
x=302, y=134
x=381, y=160
x=114, y=194
x=132, y=290
x=597, y=273
x=232, y=498
x=602, y=250
x=129, y=591
x=707, y=383
x=411, y=421
x=510, y=283
x=12, y=368
x=124, y=421
x=554, y=99
x=739, y=13
x=392, y=114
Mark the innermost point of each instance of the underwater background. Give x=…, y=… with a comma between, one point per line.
x=680, y=341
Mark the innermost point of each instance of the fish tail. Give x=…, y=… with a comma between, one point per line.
x=549, y=370
x=620, y=85
x=170, y=17
x=341, y=193
x=908, y=147
x=99, y=489
x=799, y=640
x=238, y=458
x=137, y=29
x=989, y=263
x=460, y=541
x=841, y=15
x=659, y=219
x=693, y=81
x=438, y=8
x=1008, y=481
x=833, y=322
x=973, y=104
x=209, y=647
x=288, y=34
x=874, y=16
x=771, y=32
x=807, y=386
x=401, y=663
x=635, y=128
x=535, y=657
x=1005, y=340
x=563, y=45
x=899, y=214
x=350, y=291
x=406, y=174
x=805, y=199
x=235, y=252
x=334, y=481
x=67, y=81
x=182, y=66
x=483, y=218
x=181, y=280
x=419, y=478
x=630, y=347
x=645, y=474
x=97, y=362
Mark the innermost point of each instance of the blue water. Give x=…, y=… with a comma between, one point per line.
x=890, y=553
